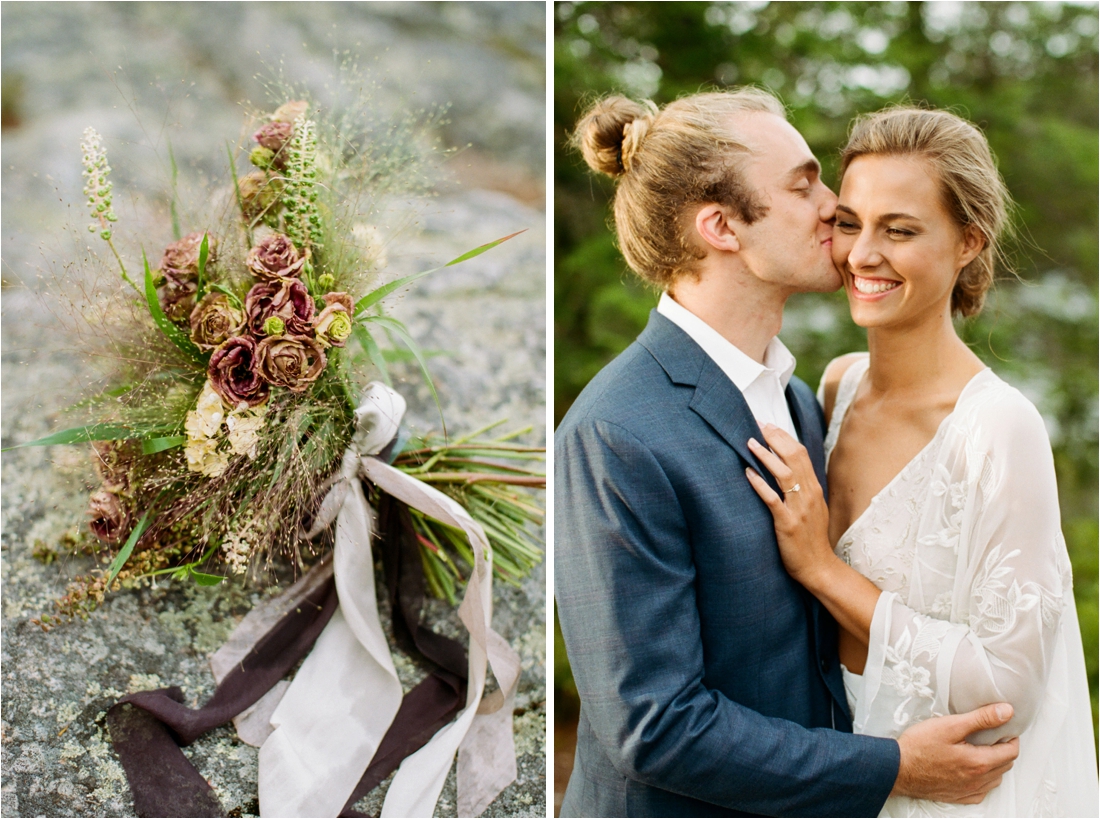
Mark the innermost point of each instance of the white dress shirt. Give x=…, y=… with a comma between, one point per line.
x=763, y=385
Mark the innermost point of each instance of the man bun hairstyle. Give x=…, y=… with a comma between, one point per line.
x=973, y=191
x=666, y=162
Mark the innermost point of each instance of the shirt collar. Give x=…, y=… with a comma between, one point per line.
x=740, y=368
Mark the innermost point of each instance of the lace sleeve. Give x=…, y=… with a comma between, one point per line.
x=987, y=634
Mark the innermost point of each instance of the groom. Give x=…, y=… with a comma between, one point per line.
x=709, y=679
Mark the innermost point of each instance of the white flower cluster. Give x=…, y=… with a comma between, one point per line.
x=96, y=186
x=204, y=432
x=237, y=549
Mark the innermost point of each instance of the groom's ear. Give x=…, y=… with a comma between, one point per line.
x=716, y=228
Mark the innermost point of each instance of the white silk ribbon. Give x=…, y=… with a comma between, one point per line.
x=332, y=717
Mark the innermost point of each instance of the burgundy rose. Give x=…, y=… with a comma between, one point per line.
x=286, y=298
x=181, y=259
x=333, y=325
x=274, y=136
x=215, y=320
x=108, y=515
x=293, y=362
x=232, y=373
x=275, y=257
x=177, y=296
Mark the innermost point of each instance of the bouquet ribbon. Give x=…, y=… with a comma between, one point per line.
x=342, y=725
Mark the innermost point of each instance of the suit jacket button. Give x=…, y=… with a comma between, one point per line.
x=825, y=664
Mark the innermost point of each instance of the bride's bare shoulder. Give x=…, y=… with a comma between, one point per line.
x=830, y=380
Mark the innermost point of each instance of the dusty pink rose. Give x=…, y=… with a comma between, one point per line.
x=215, y=320
x=108, y=516
x=181, y=259
x=275, y=257
x=293, y=362
x=177, y=296
x=232, y=373
x=274, y=136
x=333, y=325
x=286, y=298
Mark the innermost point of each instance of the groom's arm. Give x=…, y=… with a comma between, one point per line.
x=626, y=594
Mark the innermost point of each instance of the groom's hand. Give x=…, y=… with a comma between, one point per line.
x=938, y=763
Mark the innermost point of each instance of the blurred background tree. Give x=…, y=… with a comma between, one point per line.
x=1026, y=73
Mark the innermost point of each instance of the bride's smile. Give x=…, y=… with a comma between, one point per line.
x=897, y=246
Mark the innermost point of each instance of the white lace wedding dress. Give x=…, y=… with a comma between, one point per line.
x=977, y=601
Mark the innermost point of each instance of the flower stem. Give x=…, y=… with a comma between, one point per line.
x=122, y=267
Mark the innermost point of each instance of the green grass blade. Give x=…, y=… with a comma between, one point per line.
x=204, y=255
x=174, y=333
x=127, y=548
x=399, y=329
x=477, y=251
x=233, y=297
x=374, y=353
x=202, y=579
x=152, y=446
x=93, y=432
x=172, y=201
x=380, y=293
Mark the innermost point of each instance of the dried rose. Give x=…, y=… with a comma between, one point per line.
x=286, y=298
x=275, y=257
x=274, y=136
x=293, y=362
x=333, y=325
x=258, y=193
x=214, y=320
x=177, y=296
x=290, y=111
x=232, y=373
x=108, y=515
x=181, y=258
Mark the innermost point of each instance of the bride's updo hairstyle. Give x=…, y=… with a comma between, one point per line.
x=972, y=188
x=665, y=161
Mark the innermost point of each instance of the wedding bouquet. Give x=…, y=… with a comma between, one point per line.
x=240, y=356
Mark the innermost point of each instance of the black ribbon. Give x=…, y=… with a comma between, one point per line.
x=148, y=728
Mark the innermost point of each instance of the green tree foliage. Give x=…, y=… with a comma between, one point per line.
x=1026, y=73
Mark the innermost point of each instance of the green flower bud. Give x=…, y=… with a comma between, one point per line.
x=92, y=228
x=326, y=281
x=100, y=207
x=111, y=216
x=274, y=326
x=105, y=234
x=261, y=157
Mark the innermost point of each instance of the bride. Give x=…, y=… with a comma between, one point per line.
x=940, y=553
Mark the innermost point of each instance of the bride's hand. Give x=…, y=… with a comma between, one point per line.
x=800, y=514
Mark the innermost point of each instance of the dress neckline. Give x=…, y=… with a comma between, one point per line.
x=846, y=392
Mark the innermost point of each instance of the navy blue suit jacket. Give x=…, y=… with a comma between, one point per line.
x=708, y=678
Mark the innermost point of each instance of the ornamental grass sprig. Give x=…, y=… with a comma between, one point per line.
x=302, y=219
x=98, y=190
x=495, y=494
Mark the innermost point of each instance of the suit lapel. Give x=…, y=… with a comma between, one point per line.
x=807, y=423
x=718, y=402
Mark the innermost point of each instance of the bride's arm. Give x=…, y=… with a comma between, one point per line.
x=1007, y=598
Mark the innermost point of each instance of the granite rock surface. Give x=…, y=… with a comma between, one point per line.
x=141, y=72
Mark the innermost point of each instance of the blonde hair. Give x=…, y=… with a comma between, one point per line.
x=973, y=190
x=665, y=161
